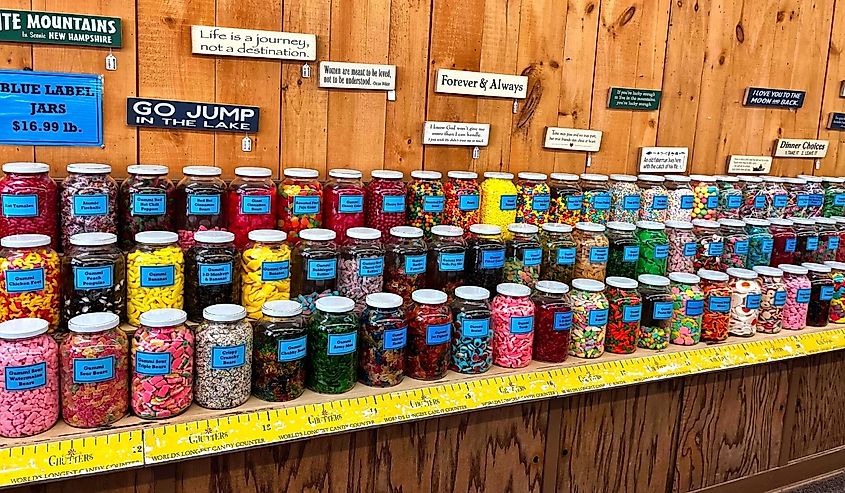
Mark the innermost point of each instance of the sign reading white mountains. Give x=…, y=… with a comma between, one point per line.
x=481, y=84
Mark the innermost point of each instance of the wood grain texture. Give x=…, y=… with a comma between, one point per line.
x=834, y=163
x=819, y=405
x=16, y=56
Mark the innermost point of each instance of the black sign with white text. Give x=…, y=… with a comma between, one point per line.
x=773, y=98
x=162, y=113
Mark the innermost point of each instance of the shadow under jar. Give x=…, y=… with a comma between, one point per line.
x=211, y=267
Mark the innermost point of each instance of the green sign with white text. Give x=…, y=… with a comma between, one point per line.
x=622, y=98
x=26, y=26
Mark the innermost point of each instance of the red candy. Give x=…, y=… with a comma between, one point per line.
x=28, y=199
x=384, y=201
x=553, y=321
x=429, y=336
x=251, y=203
x=462, y=199
x=343, y=201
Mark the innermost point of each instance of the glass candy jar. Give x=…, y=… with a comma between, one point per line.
x=821, y=293
x=332, y=346
x=523, y=255
x=717, y=305
x=656, y=321
x=251, y=203
x=710, y=245
x=798, y=289
x=706, y=197
x=485, y=261
x=773, y=297
x=730, y=197
x=145, y=202
x=753, y=197
x=279, y=349
x=429, y=335
x=654, y=198
x=589, y=318
x=28, y=201
x=384, y=200
x=472, y=341
x=426, y=200
x=736, y=243
x=784, y=241
x=553, y=321
x=776, y=197
x=533, y=199
x=343, y=201
x=463, y=199
x=89, y=201
x=382, y=338
x=314, y=267
x=30, y=272
x=746, y=295
x=405, y=261
x=624, y=249
x=155, y=274
x=94, y=276
x=807, y=239
x=681, y=198
x=592, y=251
x=446, y=259
x=566, y=199
x=264, y=270
x=559, y=249
x=223, y=357
x=596, y=205
x=361, y=266
x=211, y=268
x=498, y=199
x=624, y=198
x=200, y=202
x=760, y=242
x=688, y=308
x=623, y=324
x=653, y=248
x=683, y=246
x=513, y=325
x=300, y=202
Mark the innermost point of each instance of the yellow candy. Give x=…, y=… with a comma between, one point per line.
x=255, y=291
x=492, y=191
x=159, y=292
x=25, y=300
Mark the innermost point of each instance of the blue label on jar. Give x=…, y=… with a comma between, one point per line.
x=433, y=203
x=779, y=298
x=563, y=321
x=149, y=204
x=826, y=293
x=598, y=255
x=630, y=253
x=720, y=304
x=601, y=201
x=371, y=266
x=275, y=271
x=292, y=349
x=802, y=295
x=812, y=243
x=522, y=325
x=475, y=327
x=20, y=205
x=255, y=204
x=541, y=202
x=91, y=205
x=767, y=245
x=565, y=256
x=659, y=202
x=662, y=310
x=152, y=363
x=833, y=243
x=507, y=203
x=712, y=201
x=574, y=202
x=350, y=204
x=29, y=377
x=752, y=301
x=395, y=338
x=790, y=244
x=340, y=344
x=734, y=201
x=687, y=202
x=694, y=308
x=532, y=257
x=690, y=249
x=306, y=205
x=741, y=247
x=85, y=278
x=631, y=202
x=493, y=259
x=322, y=270
x=24, y=280
x=225, y=357
x=215, y=274
x=715, y=249
x=392, y=204
x=661, y=251
x=780, y=201
x=760, y=202
x=158, y=276
x=839, y=200
x=204, y=205
x=597, y=318
x=631, y=313
x=415, y=264
x=437, y=334
x=802, y=200
x=93, y=370
x=450, y=262
x=468, y=202
x=816, y=200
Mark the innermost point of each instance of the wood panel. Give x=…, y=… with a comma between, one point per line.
x=16, y=56
x=819, y=382
x=834, y=163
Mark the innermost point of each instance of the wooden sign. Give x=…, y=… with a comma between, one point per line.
x=26, y=26
x=801, y=148
x=342, y=75
x=773, y=98
x=572, y=139
x=456, y=134
x=481, y=84
x=663, y=159
x=622, y=98
x=749, y=164
x=836, y=121
x=253, y=43
x=161, y=113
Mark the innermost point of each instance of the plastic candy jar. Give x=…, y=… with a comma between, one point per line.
x=485, y=261
x=753, y=197
x=30, y=279
x=784, y=241
x=807, y=239
x=623, y=323
x=146, y=202
x=200, y=202
x=730, y=197
x=760, y=242
x=95, y=371
x=223, y=357
x=251, y=203
x=211, y=268
x=382, y=338
x=361, y=266
x=94, y=276
x=89, y=200
x=589, y=318
x=798, y=197
x=814, y=188
x=834, y=196
x=821, y=292
x=446, y=259
x=28, y=200
x=681, y=198
x=264, y=271
x=566, y=199
x=559, y=249
x=828, y=239
x=773, y=297
x=711, y=244
x=533, y=199
x=463, y=199
x=553, y=321
x=797, y=296
x=706, y=197
x=154, y=274
x=592, y=251
x=654, y=248
x=472, y=341
x=840, y=226
x=837, y=303
x=624, y=198
x=314, y=267
x=426, y=200
x=745, y=302
x=682, y=246
x=735, y=251
x=498, y=199
x=384, y=200
x=29, y=378
x=657, y=309
x=776, y=196
x=654, y=197
x=405, y=261
x=513, y=325
x=597, y=202
x=429, y=336
x=332, y=346
x=687, y=308
x=300, y=202
x=278, y=354
x=162, y=364
x=343, y=201
x=717, y=305
x=523, y=255
x=624, y=249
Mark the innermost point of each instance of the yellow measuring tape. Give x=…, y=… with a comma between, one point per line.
x=210, y=436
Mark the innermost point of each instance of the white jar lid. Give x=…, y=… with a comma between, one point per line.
x=485, y=229
x=348, y=174
x=750, y=179
x=513, y=289
x=684, y=278
x=652, y=280
x=301, y=173
x=22, y=328
x=25, y=241
x=620, y=226
x=281, y=308
x=678, y=178
x=89, y=168
x=156, y=237
x=795, y=181
x=202, y=171
x=463, y=175
x=450, y=231
x=727, y=178
x=387, y=174
x=651, y=178
x=838, y=219
x=527, y=175
x=472, y=293
x=317, y=234
x=426, y=175
x=621, y=282
x=678, y=224
x=741, y=273
x=498, y=175
x=773, y=179
x=253, y=172
x=590, y=285
x=363, y=233
x=704, y=223
x=93, y=239
x=593, y=177
x=702, y=177
x=26, y=168
x=148, y=170
x=335, y=304
x=765, y=270
x=564, y=176
x=406, y=232
x=833, y=179
x=626, y=178
x=93, y=322
x=735, y=223
x=833, y=264
x=523, y=228
x=429, y=296
x=712, y=275
x=825, y=220
x=384, y=300
x=811, y=178
x=814, y=267
x=163, y=317
x=802, y=221
x=216, y=237
x=793, y=269
x=592, y=227
x=557, y=228
x=224, y=312
x=781, y=222
x=753, y=221
x=267, y=235
x=552, y=287
x=651, y=225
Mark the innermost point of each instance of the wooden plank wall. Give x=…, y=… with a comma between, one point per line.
x=701, y=53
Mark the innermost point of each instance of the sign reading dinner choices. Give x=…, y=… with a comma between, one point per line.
x=481, y=84
x=230, y=41
x=801, y=148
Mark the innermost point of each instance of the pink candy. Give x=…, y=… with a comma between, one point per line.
x=513, y=327
x=29, y=385
x=797, y=299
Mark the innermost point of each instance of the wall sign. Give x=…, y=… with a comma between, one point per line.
x=253, y=43
x=572, y=139
x=162, y=113
x=456, y=133
x=836, y=121
x=773, y=98
x=663, y=159
x=622, y=98
x=342, y=75
x=806, y=148
x=26, y=26
x=481, y=84
x=749, y=164
x=50, y=109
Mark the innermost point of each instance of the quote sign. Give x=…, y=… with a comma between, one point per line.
x=572, y=139
x=481, y=84
x=749, y=164
x=773, y=98
x=836, y=121
x=663, y=159
x=624, y=98
x=162, y=113
x=50, y=109
x=26, y=26
x=456, y=134
x=801, y=148
x=343, y=75
x=253, y=43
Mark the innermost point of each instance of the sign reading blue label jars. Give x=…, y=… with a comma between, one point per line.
x=292, y=349
x=25, y=205
x=149, y=204
x=147, y=363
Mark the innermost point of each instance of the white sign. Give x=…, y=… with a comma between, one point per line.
x=481, y=84
x=342, y=75
x=229, y=41
x=663, y=159
x=572, y=139
x=806, y=148
x=456, y=134
x=749, y=164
